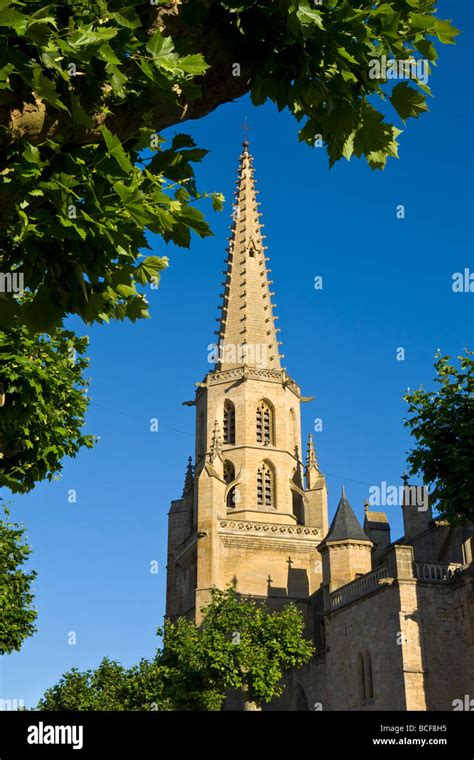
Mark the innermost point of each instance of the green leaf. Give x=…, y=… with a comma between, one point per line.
x=345, y=54
x=31, y=154
x=193, y=64
x=427, y=50
x=88, y=36
x=117, y=80
x=11, y=17
x=445, y=32
x=182, y=141
x=149, y=269
x=309, y=17
x=78, y=113
x=116, y=150
x=127, y=17
x=217, y=201
x=46, y=89
x=407, y=101
x=106, y=53
x=162, y=51
x=125, y=291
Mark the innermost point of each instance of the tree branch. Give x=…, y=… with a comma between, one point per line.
x=35, y=121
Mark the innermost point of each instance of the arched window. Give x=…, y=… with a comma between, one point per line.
x=264, y=424
x=265, y=486
x=229, y=477
x=229, y=422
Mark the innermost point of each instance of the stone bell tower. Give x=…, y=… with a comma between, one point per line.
x=252, y=513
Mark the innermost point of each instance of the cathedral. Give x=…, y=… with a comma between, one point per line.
x=392, y=621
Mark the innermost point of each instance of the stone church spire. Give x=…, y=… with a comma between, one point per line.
x=249, y=513
x=247, y=332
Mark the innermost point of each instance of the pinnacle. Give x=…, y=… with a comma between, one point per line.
x=189, y=478
x=215, y=442
x=311, y=459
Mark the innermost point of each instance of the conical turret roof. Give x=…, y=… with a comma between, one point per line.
x=345, y=524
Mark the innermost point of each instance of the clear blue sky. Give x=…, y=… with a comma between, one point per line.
x=387, y=283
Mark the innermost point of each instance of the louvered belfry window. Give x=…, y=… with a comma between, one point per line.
x=229, y=422
x=264, y=486
x=264, y=424
x=229, y=477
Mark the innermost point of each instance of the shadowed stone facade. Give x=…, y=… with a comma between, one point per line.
x=393, y=622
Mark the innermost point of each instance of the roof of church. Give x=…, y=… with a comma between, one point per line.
x=345, y=524
x=247, y=332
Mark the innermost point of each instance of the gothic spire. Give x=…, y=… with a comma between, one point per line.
x=247, y=332
x=311, y=458
x=312, y=474
x=189, y=477
x=215, y=448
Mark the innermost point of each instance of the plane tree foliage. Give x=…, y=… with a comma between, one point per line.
x=17, y=614
x=91, y=191
x=43, y=402
x=87, y=87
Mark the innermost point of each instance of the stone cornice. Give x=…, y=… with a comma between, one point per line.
x=268, y=535
x=279, y=376
x=258, y=527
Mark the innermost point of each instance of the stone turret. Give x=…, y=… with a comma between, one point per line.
x=346, y=550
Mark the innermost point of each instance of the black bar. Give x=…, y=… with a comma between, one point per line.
x=109, y=735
